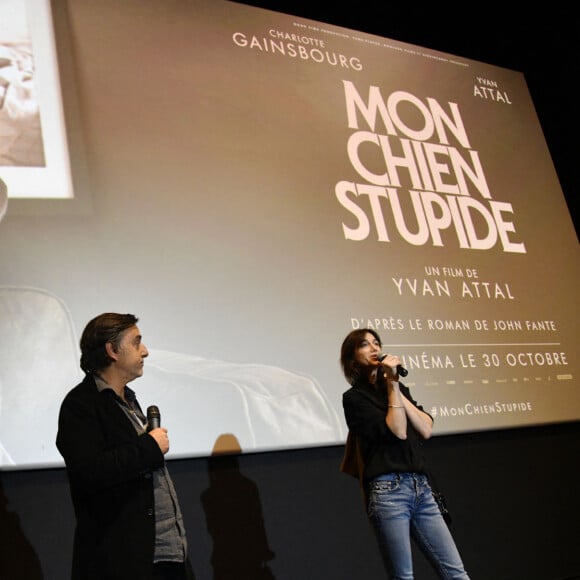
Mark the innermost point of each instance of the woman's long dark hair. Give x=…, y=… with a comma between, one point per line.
x=353, y=340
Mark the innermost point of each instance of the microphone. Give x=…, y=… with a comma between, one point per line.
x=401, y=370
x=153, y=418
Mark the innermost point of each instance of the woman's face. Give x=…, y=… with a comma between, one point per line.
x=366, y=354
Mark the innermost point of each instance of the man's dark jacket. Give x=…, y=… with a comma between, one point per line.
x=109, y=468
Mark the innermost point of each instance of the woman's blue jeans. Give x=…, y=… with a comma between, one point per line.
x=401, y=506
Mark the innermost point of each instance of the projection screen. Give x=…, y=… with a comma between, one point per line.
x=258, y=185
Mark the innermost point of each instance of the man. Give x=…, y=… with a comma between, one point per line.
x=128, y=521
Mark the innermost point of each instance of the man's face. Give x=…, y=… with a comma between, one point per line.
x=130, y=355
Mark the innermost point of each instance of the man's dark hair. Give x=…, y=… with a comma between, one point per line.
x=352, y=341
x=107, y=327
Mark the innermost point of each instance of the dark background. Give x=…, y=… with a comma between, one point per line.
x=513, y=493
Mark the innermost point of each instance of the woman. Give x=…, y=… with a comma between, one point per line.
x=387, y=428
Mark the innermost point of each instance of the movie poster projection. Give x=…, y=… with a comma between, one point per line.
x=34, y=161
x=263, y=184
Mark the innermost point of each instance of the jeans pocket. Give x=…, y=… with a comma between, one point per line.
x=380, y=491
x=384, y=485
